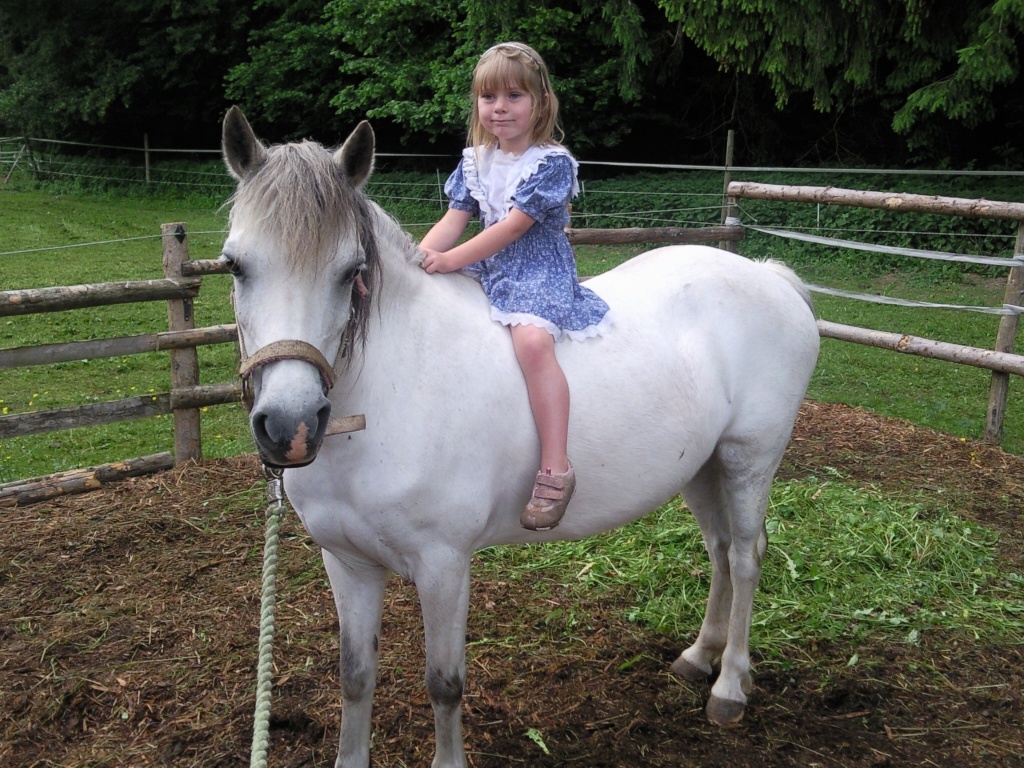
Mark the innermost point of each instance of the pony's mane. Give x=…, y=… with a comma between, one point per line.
x=389, y=229
x=305, y=194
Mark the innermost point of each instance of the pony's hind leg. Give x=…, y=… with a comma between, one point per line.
x=729, y=498
x=703, y=497
x=358, y=589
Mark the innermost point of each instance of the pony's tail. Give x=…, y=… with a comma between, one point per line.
x=791, y=277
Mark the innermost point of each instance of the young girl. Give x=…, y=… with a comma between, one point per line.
x=519, y=180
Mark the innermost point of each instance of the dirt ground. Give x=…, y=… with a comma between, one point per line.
x=129, y=618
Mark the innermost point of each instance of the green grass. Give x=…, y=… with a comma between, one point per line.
x=129, y=229
x=844, y=564
x=126, y=223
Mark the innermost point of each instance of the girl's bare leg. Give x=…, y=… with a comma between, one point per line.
x=549, y=393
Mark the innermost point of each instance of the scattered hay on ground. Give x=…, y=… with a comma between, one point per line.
x=130, y=618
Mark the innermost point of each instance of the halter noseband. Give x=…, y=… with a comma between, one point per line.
x=285, y=349
x=294, y=349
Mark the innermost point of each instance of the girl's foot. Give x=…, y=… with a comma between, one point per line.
x=551, y=494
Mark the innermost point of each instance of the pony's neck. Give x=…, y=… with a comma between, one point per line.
x=403, y=280
x=394, y=243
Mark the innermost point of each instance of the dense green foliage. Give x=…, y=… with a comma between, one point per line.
x=87, y=70
x=872, y=80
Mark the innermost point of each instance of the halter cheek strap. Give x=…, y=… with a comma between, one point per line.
x=285, y=349
x=293, y=349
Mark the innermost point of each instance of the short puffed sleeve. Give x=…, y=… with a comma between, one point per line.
x=548, y=190
x=458, y=193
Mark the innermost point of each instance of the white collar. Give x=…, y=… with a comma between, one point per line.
x=477, y=162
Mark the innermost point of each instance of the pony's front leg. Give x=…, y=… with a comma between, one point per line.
x=358, y=589
x=442, y=581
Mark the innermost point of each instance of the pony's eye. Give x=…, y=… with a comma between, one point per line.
x=353, y=273
x=232, y=264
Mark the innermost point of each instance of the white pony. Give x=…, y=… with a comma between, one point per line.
x=694, y=391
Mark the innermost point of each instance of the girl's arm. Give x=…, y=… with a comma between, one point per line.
x=447, y=231
x=478, y=247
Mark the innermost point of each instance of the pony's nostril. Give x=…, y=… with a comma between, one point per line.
x=258, y=426
x=323, y=416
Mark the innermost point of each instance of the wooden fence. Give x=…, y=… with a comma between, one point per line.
x=1001, y=360
x=180, y=285
x=182, y=282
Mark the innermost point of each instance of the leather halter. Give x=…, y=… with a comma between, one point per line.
x=285, y=349
x=294, y=349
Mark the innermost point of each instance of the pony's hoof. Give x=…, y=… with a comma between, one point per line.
x=689, y=671
x=725, y=713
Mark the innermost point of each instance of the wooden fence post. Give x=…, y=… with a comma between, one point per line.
x=1005, y=339
x=184, y=362
x=728, y=203
x=31, y=157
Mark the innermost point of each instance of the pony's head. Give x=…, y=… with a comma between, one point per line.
x=302, y=250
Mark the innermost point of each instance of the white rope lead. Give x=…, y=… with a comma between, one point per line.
x=265, y=664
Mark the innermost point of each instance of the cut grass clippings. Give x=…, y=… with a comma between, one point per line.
x=843, y=564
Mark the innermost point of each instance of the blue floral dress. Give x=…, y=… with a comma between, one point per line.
x=533, y=280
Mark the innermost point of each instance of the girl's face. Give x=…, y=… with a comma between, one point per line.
x=507, y=113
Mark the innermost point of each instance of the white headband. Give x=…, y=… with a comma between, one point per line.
x=522, y=49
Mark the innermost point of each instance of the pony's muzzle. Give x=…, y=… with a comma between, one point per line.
x=288, y=420
x=289, y=412
x=289, y=438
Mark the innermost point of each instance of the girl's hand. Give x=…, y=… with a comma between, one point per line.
x=437, y=261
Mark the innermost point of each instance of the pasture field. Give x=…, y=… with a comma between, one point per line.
x=118, y=231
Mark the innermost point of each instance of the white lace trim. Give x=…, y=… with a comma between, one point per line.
x=477, y=164
x=525, y=318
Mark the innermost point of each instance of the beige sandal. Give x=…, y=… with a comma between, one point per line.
x=551, y=495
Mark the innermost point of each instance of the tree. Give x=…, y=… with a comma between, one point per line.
x=291, y=73
x=670, y=75
x=920, y=61
x=410, y=61
x=989, y=59
x=83, y=70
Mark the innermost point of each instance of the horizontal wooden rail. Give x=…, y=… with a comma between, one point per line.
x=126, y=409
x=914, y=345
x=32, y=300
x=206, y=394
x=94, y=349
x=202, y=267
x=638, y=235
x=31, y=491
x=892, y=201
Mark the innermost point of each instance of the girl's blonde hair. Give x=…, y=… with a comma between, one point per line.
x=507, y=66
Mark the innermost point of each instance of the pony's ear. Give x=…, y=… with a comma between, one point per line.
x=356, y=155
x=243, y=152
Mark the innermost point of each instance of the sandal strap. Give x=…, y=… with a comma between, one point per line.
x=555, y=494
x=551, y=481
